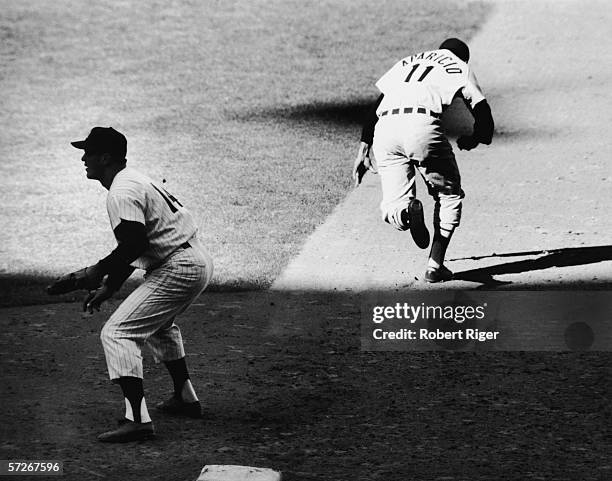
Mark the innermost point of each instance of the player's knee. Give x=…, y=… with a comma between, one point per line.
x=107, y=336
x=104, y=335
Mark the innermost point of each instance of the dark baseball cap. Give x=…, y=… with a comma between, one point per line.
x=104, y=140
x=458, y=47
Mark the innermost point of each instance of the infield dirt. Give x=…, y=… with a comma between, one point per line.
x=301, y=397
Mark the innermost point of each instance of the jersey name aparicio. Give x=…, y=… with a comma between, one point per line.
x=428, y=79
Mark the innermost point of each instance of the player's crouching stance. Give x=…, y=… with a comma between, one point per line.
x=404, y=131
x=156, y=233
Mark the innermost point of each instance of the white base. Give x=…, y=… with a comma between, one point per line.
x=221, y=472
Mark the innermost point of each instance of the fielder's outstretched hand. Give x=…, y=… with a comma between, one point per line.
x=95, y=298
x=362, y=163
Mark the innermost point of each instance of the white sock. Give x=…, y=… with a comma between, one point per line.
x=144, y=413
x=129, y=415
x=188, y=393
x=432, y=263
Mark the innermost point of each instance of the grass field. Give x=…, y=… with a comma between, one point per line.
x=249, y=110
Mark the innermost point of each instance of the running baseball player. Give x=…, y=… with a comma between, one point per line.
x=156, y=233
x=404, y=132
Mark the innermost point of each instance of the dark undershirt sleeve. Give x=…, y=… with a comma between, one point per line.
x=483, y=122
x=132, y=243
x=369, y=122
x=115, y=279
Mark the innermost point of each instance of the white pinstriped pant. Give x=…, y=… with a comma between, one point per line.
x=147, y=315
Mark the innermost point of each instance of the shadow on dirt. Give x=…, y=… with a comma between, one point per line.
x=570, y=256
x=456, y=121
x=343, y=114
x=22, y=289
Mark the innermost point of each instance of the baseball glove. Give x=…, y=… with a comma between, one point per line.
x=467, y=142
x=88, y=278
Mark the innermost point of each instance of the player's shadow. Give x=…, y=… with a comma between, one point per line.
x=456, y=121
x=23, y=289
x=570, y=256
x=347, y=113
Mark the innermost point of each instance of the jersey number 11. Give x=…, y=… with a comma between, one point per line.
x=428, y=69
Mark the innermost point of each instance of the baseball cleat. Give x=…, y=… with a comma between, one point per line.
x=440, y=274
x=128, y=431
x=178, y=407
x=418, y=229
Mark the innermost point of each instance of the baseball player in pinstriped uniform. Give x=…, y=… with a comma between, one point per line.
x=404, y=131
x=155, y=233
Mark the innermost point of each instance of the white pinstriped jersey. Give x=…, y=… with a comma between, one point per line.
x=428, y=79
x=135, y=197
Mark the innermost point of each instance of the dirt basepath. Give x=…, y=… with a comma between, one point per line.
x=537, y=194
x=304, y=400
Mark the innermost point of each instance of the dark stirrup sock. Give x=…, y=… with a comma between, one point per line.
x=133, y=391
x=438, y=247
x=179, y=373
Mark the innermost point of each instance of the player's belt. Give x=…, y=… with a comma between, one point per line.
x=184, y=245
x=411, y=110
